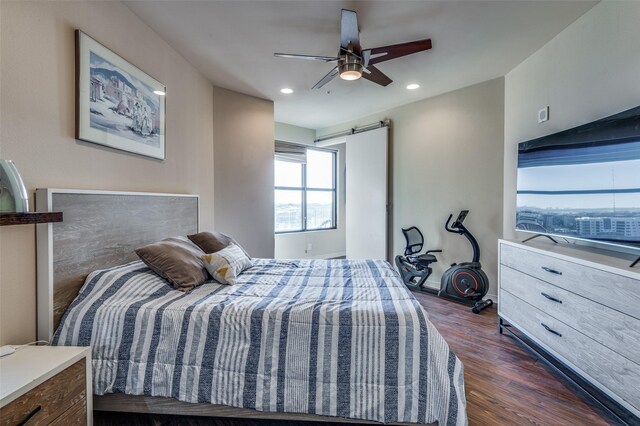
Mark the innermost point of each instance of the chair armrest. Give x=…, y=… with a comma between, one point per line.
x=433, y=251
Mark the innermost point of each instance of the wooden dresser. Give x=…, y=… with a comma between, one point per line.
x=41, y=385
x=582, y=308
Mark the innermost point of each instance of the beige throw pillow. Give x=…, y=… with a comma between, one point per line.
x=225, y=265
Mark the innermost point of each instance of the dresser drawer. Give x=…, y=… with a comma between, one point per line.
x=74, y=416
x=602, y=365
x=610, y=289
x=50, y=400
x=612, y=328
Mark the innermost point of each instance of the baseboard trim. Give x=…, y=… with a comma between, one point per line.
x=327, y=255
x=323, y=256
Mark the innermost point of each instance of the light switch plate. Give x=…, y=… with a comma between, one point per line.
x=543, y=115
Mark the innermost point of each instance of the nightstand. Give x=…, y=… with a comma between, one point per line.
x=46, y=385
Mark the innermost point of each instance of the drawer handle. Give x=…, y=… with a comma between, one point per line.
x=553, y=299
x=553, y=271
x=550, y=330
x=30, y=415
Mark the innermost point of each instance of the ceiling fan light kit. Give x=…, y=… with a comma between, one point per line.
x=350, y=68
x=353, y=61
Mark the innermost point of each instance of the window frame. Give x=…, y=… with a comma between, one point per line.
x=304, y=189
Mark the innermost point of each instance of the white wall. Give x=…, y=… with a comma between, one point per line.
x=588, y=71
x=243, y=152
x=446, y=155
x=324, y=244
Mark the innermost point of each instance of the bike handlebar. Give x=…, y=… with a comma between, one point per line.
x=458, y=228
x=450, y=229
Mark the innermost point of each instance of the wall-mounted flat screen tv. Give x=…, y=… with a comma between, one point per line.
x=583, y=183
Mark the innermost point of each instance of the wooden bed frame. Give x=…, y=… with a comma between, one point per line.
x=100, y=230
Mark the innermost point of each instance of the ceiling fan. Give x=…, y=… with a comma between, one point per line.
x=355, y=62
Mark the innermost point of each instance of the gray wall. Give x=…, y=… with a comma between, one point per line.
x=295, y=134
x=589, y=71
x=243, y=147
x=38, y=133
x=446, y=155
x=324, y=244
x=38, y=127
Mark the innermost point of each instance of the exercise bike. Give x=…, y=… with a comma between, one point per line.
x=464, y=282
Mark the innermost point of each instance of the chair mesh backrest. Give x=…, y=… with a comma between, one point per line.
x=415, y=240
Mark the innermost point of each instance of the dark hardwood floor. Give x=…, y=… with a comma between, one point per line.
x=504, y=383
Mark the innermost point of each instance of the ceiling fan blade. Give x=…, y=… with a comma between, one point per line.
x=349, y=32
x=309, y=57
x=381, y=54
x=373, y=74
x=366, y=56
x=327, y=78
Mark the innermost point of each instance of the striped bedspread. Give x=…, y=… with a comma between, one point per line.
x=337, y=338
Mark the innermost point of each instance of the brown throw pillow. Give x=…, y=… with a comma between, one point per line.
x=177, y=260
x=211, y=242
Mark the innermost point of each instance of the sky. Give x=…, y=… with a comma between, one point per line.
x=319, y=175
x=609, y=175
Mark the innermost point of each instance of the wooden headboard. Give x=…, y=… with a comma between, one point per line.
x=100, y=229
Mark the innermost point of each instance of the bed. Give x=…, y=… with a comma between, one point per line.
x=293, y=339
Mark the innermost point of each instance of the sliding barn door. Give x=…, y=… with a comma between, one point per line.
x=366, y=195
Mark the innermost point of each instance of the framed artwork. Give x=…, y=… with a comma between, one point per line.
x=117, y=104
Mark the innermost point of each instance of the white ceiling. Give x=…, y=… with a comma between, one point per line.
x=232, y=43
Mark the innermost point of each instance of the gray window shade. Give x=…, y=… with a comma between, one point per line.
x=294, y=153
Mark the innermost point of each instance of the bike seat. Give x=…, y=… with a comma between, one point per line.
x=423, y=258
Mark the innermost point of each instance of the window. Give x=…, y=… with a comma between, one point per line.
x=305, y=193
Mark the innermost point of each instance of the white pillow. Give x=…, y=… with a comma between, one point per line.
x=225, y=265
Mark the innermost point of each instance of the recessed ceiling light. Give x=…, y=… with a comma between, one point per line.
x=159, y=92
x=413, y=86
x=286, y=91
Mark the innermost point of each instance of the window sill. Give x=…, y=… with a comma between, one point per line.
x=309, y=231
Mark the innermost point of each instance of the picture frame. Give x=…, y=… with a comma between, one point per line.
x=117, y=104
